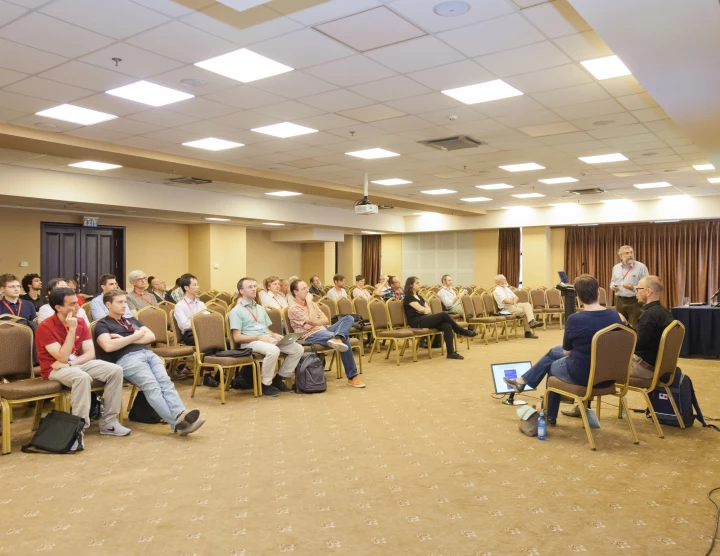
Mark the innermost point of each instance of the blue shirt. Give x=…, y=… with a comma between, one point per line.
x=99, y=310
x=579, y=331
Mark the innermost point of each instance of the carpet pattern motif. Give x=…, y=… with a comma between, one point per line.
x=422, y=462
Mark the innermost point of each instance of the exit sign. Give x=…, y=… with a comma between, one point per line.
x=90, y=221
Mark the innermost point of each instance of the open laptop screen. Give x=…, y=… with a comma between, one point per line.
x=563, y=277
x=508, y=370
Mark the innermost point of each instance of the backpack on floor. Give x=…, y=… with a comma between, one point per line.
x=310, y=374
x=684, y=395
x=142, y=411
x=57, y=433
x=243, y=379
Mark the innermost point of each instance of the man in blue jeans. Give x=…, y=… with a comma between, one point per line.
x=308, y=319
x=123, y=341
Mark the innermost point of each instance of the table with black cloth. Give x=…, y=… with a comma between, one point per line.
x=702, y=330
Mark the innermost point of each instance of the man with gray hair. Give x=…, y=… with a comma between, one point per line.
x=138, y=298
x=626, y=276
x=508, y=301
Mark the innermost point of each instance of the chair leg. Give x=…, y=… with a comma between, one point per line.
x=658, y=428
x=221, y=370
x=360, y=356
x=675, y=407
x=623, y=403
x=338, y=366
x=583, y=414
x=372, y=349
x=257, y=378
x=599, y=405
x=397, y=351
x=38, y=413
x=5, y=420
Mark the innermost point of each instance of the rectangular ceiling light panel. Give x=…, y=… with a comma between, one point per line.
x=522, y=167
x=483, y=92
x=606, y=68
x=285, y=130
x=552, y=181
x=600, y=159
x=76, y=115
x=244, y=65
x=149, y=93
x=373, y=153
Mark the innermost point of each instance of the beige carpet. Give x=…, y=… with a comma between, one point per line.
x=422, y=462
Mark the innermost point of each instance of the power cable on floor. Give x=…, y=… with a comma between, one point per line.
x=717, y=520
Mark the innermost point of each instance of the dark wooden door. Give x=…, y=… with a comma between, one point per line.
x=60, y=253
x=98, y=257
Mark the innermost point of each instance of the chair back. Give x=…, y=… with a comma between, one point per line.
x=156, y=321
x=488, y=303
x=205, y=297
x=479, y=291
x=16, y=349
x=378, y=316
x=468, y=306
x=276, y=320
x=435, y=304
x=396, y=312
x=225, y=297
x=326, y=311
x=218, y=306
x=602, y=297
x=316, y=298
x=345, y=306
x=331, y=305
x=209, y=331
x=360, y=306
x=88, y=311
x=538, y=298
x=286, y=319
x=554, y=299
x=478, y=305
x=611, y=355
x=670, y=344
x=522, y=295
x=326, y=289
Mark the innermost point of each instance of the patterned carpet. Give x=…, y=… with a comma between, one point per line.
x=423, y=461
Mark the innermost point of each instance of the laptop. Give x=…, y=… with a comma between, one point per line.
x=508, y=370
x=289, y=339
x=564, y=277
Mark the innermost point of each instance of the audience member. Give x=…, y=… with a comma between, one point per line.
x=285, y=290
x=124, y=341
x=316, y=285
x=390, y=288
x=307, y=318
x=626, y=276
x=450, y=300
x=32, y=285
x=66, y=353
x=250, y=324
x=138, y=298
x=73, y=285
x=12, y=304
x=271, y=296
x=47, y=311
x=158, y=288
x=508, y=301
x=338, y=289
x=360, y=290
x=175, y=295
x=108, y=283
x=571, y=361
x=419, y=316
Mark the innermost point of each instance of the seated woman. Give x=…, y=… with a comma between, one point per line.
x=571, y=361
x=271, y=296
x=419, y=316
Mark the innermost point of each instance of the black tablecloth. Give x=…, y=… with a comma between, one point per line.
x=702, y=330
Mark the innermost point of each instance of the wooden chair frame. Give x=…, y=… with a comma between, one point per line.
x=380, y=335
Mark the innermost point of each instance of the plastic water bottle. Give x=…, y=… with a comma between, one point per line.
x=542, y=427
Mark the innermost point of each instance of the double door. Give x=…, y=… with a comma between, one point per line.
x=74, y=251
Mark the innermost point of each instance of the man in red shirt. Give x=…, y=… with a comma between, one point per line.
x=66, y=353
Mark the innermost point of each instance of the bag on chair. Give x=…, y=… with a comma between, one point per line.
x=310, y=374
x=142, y=411
x=57, y=433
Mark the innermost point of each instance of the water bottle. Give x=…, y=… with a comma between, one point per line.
x=542, y=427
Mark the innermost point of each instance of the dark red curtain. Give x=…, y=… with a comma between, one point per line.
x=509, y=255
x=371, y=254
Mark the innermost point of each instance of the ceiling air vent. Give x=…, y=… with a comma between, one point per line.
x=189, y=181
x=453, y=143
x=591, y=191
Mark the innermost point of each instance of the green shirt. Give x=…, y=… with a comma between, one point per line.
x=250, y=319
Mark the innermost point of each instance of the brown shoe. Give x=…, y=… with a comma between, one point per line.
x=355, y=382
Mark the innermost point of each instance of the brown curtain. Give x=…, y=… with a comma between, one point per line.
x=371, y=254
x=509, y=255
x=685, y=255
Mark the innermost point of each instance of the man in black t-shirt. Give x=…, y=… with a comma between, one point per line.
x=124, y=341
x=32, y=284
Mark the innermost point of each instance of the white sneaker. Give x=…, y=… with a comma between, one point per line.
x=338, y=345
x=115, y=429
x=192, y=427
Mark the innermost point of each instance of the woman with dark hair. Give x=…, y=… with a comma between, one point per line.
x=571, y=361
x=419, y=316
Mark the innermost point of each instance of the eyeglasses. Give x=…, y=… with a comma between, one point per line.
x=638, y=289
x=141, y=278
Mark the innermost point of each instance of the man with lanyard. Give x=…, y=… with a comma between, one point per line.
x=11, y=304
x=32, y=284
x=450, y=300
x=124, y=341
x=108, y=283
x=138, y=298
x=250, y=323
x=626, y=276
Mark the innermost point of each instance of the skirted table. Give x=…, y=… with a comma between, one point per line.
x=702, y=330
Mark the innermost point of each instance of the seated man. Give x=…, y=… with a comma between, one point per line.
x=338, y=289
x=360, y=290
x=390, y=288
x=108, y=283
x=307, y=318
x=12, y=304
x=285, y=290
x=32, y=284
x=123, y=341
x=157, y=288
x=138, y=298
x=315, y=285
x=66, y=354
x=250, y=323
x=508, y=301
x=450, y=300
x=270, y=296
x=46, y=311
x=73, y=285
x=571, y=361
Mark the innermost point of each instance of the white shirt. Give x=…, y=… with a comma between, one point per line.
x=447, y=295
x=184, y=309
x=46, y=312
x=501, y=293
x=269, y=299
x=336, y=294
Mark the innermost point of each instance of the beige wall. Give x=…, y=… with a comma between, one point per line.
x=536, y=256
x=199, y=254
x=350, y=258
x=318, y=258
x=391, y=253
x=486, y=256
x=557, y=253
x=228, y=251
x=269, y=258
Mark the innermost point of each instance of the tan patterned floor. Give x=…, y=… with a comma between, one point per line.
x=421, y=462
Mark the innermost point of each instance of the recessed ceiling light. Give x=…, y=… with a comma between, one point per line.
x=272, y=224
x=213, y=219
x=284, y=130
x=213, y=144
x=438, y=191
x=91, y=165
x=193, y=82
x=242, y=5
x=528, y=195
x=714, y=180
x=606, y=68
x=616, y=157
x=373, y=153
x=704, y=167
x=476, y=199
x=483, y=92
x=551, y=181
x=283, y=193
x=495, y=186
x=149, y=93
x=244, y=65
x=76, y=115
x=652, y=185
x=664, y=221
x=522, y=167
x=452, y=8
x=392, y=181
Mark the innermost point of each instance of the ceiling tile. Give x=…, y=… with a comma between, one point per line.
x=166, y=7
x=182, y=42
x=477, y=128
x=606, y=132
x=163, y=118
x=618, y=118
x=24, y=103
x=87, y=76
x=415, y=55
x=358, y=130
x=499, y=34
x=302, y=49
x=173, y=135
x=621, y=86
x=210, y=128
x=589, y=109
x=245, y=97
x=578, y=94
x=135, y=61
x=289, y=110
x=9, y=76
x=249, y=120
x=214, y=82
x=351, y=71
x=9, y=12
x=404, y=123
x=327, y=11
x=246, y=35
x=335, y=101
x=294, y=84
x=23, y=58
x=507, y=106
x=114, y=18
x=421, y=12
x=32, y=119
x=324, y=122
x=459, y=113
x=425, y=103
x=128, y=126
x=201, y=108
x=525, y=59
x=549, y=129
x=556, y=19
x=50, y=90
x=43, y=32
x=111, y=104
x=584, y=46
x=525, y=119
x=567, y=138
x=553, y=78
x=628, y=140
x=372, y=113
x=650, y=114
x=392, y=88
x=450, y=76
x=637, y=102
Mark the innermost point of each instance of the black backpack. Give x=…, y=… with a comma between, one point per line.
x=142, y=411
x=310, y=374
x=57, y=433
x=684, y=394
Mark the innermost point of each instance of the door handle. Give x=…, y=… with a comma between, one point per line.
x=78, y=282
x=84, y=280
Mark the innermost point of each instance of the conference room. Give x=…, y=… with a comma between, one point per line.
x=478, y=183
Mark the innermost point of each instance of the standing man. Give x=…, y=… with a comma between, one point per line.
x=108, y=283
x=32, y=284
x=338, y=290
x=508, y=301
x=250, y=324
x=450, y=300
x=138, y=298
x=626, y=276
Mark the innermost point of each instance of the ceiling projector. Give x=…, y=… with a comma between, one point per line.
x=364, y=206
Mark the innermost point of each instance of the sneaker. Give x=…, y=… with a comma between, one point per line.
x=337, y=344
x=454, y=355
x=210, y=382
x=574, y=412
x=279, y=384
x=355, y=382
x=186, y=418
x=529, y=334
x=116, y=429
x=535, y=324
x=78, y=445
x=192, y=428
x=270, y=390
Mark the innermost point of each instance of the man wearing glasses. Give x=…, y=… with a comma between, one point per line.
x=626, y=276
x=139, y=298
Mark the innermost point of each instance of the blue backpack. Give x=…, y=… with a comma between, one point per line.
x=684, y=394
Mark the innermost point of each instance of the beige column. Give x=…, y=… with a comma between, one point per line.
x=217, y=255
x=536, y=262
x=391, y=253
x=485, y=243
x=350, y=258
x=319, y=258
